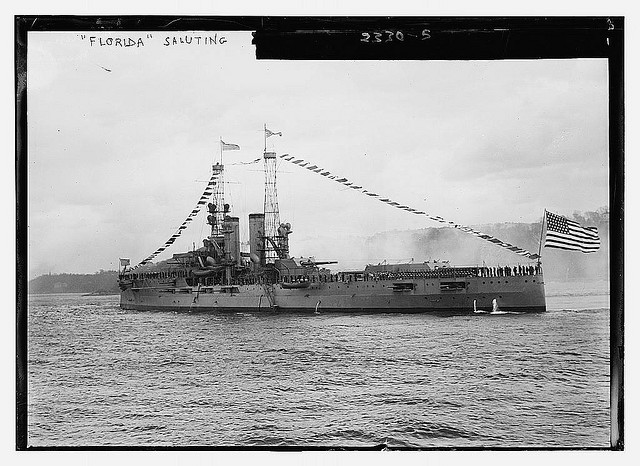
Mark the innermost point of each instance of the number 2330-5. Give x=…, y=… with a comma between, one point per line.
x=388, y=36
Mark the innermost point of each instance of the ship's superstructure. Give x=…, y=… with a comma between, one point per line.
x=219, y=276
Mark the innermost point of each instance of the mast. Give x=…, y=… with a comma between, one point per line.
x=271, y=208
x=544, y=216
x=217, y=207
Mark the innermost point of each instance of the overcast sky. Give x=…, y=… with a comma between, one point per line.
x=120, y=142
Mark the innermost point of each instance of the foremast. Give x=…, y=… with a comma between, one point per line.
x=222, y=246
x=217, y=208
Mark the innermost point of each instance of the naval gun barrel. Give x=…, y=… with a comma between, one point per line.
x=318, y=262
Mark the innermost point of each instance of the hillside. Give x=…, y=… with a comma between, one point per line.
x=103, y=282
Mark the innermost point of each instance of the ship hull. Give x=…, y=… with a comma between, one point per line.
x=463, y=295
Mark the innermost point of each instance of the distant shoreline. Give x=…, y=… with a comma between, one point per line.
x=74, y=293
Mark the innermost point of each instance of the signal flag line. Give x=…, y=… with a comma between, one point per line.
x=202, y=201
x=436, y=218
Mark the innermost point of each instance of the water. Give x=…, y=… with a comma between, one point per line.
x=100, y=376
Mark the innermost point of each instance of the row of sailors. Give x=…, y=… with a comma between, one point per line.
x=249, y=280
x=155, y=275
x=448, y=272
x=451, y=272
x=508, y=271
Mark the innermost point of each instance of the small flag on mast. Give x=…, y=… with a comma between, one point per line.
x=563, y=233
x=226, y=146
x=124, y=262
x=271, y=133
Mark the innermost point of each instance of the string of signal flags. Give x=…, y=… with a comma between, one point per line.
x=345, y=182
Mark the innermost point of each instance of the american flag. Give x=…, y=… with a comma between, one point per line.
x=563, y=233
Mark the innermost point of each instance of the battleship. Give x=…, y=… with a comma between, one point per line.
x=220, y=276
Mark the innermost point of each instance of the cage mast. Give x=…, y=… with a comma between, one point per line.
x=276, y=234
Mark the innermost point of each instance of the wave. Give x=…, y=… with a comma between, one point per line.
x=431, y=430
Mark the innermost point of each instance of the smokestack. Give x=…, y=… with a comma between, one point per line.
x=256, y=239
x=232, y=238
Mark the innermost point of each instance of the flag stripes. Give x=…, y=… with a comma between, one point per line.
x=436, y=218
x=566, y=234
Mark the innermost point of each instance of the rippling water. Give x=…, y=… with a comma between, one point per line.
x=101, y=376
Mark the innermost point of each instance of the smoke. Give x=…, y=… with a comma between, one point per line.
x=429, y=244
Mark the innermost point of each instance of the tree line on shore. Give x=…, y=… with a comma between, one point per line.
x=102, y=282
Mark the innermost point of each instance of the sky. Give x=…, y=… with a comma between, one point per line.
x=121, y=141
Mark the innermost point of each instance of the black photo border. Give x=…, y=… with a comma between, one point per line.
x=339, y=38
